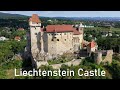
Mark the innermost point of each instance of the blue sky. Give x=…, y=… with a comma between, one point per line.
x=68, y=13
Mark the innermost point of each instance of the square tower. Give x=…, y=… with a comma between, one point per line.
x=35, y=33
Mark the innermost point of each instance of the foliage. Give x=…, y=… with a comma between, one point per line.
x=62, y=59
x=114, y=69
x=2, y=74
x=11, y=65
x=5, y=51
x=17, y=46
x=19, y=33
x=16, y=23
x=9, y=48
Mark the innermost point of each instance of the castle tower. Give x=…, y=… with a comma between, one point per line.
x=35, y=34
x=81, y=27
x=81, y=30
x=98, y=57
x=36, y=42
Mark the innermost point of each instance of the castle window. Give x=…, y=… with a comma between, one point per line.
x=57, y=39
x=52, y=40
x=65, y=39
x=60, y=34
x=33, y=23
x=35, y=33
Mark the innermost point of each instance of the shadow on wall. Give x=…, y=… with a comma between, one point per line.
x=45, y=41
x=38, y=41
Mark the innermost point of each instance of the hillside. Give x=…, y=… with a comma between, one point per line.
x=90, y=18
x=9, y=16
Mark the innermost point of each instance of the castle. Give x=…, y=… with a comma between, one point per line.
x=45, y=43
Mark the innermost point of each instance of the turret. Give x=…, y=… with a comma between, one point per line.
x=81, y=27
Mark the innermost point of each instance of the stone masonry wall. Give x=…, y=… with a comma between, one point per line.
x=62, y=44
x=98, y=57
x=108, y=57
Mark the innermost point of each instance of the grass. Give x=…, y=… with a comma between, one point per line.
x=10, y=74
x=7, y=69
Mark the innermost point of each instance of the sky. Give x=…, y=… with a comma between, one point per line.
x=68, y=13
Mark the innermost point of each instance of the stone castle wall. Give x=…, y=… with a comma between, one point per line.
x=60, y=44
x=108, y=57
x=98, y=56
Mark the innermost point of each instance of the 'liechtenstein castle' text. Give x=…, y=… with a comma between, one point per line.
x=79, y=72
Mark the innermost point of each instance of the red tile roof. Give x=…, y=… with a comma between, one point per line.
x=17, y=38
x=20, y=28
x=35, y=18
x=76, y=32
x=92, y=44
x=61, y=28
